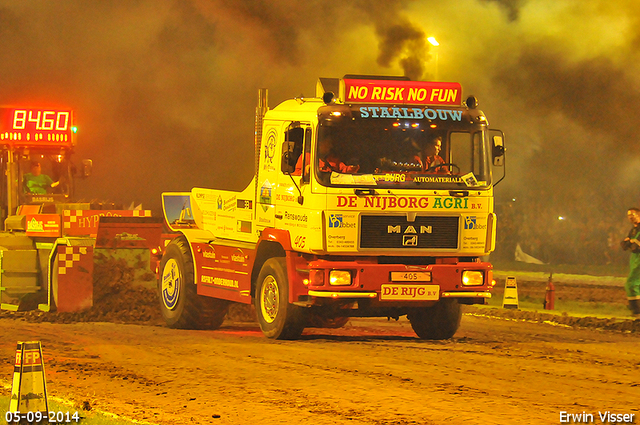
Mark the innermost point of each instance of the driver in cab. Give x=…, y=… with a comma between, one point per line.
x=37, y=183
x=429, y=158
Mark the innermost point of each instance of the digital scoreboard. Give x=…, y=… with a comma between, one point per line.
x=36, y=126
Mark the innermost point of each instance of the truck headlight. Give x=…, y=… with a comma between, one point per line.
x=339, y=278
x=472, y=278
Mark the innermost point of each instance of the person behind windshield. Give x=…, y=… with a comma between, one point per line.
x=430, y=159
x=328, y=160
x=37, y=183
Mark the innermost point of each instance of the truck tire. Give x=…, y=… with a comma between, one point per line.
x=180, y=304
x=278, y=318
x=440, y=321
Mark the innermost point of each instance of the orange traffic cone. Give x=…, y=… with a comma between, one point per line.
x=510, y=297
x=29, y=389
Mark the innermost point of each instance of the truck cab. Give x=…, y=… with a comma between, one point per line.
x=374, y=198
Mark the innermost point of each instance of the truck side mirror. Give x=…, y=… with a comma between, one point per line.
x=498, y=150
x=87, y=166
x=497, y=154
x=288, y=163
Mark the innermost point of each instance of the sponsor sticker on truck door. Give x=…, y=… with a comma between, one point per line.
x=342, y=231
x=474, y=235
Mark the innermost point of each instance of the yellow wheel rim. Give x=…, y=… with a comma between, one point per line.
x=269, y=299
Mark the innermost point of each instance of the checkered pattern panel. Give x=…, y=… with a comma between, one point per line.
x=70, y=255
x=142, y=213
x=70, y=216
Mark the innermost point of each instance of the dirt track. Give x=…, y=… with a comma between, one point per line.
x=494, y=371
x=497, y=370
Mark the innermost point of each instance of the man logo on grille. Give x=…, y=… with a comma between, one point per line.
x=409, y=229
x=410, y=240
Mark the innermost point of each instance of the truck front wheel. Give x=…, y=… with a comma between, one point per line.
x=440, y=321
x=278, y=318
x=180, y=304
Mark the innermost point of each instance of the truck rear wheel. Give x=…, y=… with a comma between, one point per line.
x=180, y=304
x=440, y=321
x=278, y=318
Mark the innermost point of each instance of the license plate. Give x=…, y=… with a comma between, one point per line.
x=410, y=292
x=410, y=277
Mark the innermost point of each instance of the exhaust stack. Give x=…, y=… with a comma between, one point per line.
x=261, y=109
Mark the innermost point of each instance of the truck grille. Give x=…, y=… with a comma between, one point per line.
x=385, y=231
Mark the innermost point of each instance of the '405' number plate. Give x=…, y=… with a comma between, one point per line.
x=410, y=277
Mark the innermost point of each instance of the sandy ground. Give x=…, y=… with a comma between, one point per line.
x=494, y=371
x=502, y=367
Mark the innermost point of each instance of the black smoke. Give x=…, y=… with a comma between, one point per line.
x=165, y=90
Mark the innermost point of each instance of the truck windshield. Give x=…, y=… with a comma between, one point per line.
x=354, y=150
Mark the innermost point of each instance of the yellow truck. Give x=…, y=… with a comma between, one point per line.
x=372, y=199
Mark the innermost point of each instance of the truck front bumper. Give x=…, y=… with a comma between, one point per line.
x=399, y=283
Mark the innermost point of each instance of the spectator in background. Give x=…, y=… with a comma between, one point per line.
x=631, y=243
